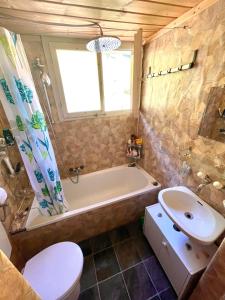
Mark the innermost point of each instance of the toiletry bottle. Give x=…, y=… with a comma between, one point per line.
x=8, y=137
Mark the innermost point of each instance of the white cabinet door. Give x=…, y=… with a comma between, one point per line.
x=152, y=233
x=173, y=267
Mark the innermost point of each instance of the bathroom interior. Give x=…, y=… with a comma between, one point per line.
x=112, y=147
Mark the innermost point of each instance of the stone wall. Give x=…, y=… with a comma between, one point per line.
x=173, y=105
x=12, y=185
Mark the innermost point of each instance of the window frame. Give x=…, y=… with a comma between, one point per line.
x=50, y=45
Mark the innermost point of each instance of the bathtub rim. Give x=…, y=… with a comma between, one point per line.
x=47, y=220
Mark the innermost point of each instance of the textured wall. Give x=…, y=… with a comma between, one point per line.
x=84, y=225
x=98, y=143
x=172, y=105
x=212, y=121
x=12, y=185
x=213, y=279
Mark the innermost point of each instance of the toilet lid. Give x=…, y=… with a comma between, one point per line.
x=55, y=270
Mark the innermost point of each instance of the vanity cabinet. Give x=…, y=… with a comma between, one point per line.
x=182, y=259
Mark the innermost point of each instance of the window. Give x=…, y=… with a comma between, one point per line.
x=88, y=83
x=80, y=83
x=117, y=80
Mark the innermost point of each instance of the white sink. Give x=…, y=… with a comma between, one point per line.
x=191, y=214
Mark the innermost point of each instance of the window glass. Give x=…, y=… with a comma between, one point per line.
x=117, y=80
x=79, y=75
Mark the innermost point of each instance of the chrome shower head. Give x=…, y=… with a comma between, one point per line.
x=103, y=42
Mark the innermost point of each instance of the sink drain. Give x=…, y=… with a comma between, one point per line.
x=188, y=215
x=176, y=228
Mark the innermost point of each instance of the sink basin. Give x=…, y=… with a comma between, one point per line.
x=191, y=214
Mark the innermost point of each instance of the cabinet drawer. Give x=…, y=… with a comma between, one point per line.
x=152, y=233
x=175, y=270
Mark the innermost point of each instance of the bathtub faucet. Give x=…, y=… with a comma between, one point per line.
x=132, y=164
x=75, y=171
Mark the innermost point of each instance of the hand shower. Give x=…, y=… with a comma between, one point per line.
x=46, y=81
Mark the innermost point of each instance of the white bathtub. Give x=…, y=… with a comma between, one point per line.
x=95, y=190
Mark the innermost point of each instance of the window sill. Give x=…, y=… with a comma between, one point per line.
x=97, y=115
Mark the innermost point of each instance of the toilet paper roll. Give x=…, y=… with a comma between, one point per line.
x=3, y=196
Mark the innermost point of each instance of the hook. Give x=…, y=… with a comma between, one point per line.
x=175, y=69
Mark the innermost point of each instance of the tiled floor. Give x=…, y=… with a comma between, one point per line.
x=120, y=265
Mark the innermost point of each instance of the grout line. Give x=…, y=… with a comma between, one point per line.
x=99, y=291
x=164, y=290
x=122, y=275
x=115, y=244
x=90, y=287
x=96, y=279
x=112, y=245
x=117, y=259
x=121, y=272
x=114, y=275
x=157, y=293
x=152, y=297
x=90, y=256
x=126, y=287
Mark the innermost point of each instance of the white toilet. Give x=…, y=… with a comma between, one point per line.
x=54, y=273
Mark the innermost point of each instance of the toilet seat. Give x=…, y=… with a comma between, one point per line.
x=53, y=272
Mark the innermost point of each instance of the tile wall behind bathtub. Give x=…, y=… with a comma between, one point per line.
x=12, y=185
x=172, y=105
x=97, y=143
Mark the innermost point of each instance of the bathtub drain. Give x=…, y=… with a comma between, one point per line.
x=188, y=215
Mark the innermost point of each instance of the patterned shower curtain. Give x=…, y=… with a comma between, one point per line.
x=23, y=110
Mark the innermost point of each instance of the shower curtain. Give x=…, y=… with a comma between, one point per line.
x=23, y=110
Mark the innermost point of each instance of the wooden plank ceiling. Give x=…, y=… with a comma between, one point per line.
x=117, y=17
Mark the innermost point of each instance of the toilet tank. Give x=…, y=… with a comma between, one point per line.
x=5, y=244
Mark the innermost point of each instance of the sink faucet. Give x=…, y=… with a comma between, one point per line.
x=76, y=171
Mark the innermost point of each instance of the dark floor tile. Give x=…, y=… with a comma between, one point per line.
x=113, y=289
x=138, y=283
x=106, y=264
x=168, y=294
x=100, y=242
x=119, y=234
x=88, y=277
x=154, y=298
x=134, y=228
x=85, y=247
x=143, y=247
x=90, y=294
x=157, y=274
x=127, y=254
